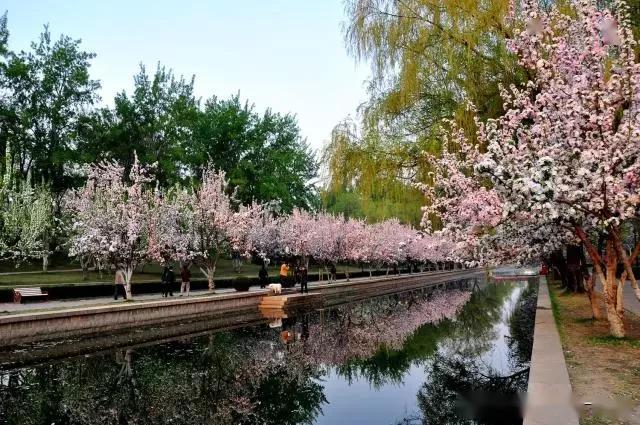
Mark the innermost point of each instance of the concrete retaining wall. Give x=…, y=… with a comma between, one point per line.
x=39, y=326
x=549, y=395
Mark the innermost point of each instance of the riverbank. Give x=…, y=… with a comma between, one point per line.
x=604, y=372
x=57, y=323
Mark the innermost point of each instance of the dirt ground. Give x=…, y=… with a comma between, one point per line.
x=604, y=371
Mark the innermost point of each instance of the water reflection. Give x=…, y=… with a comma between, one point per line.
x=409, y=358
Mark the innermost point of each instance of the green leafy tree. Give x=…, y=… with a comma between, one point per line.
x=156, y=121
x=428, y=58
x=264, y=156
x=28, y=223
x=47, y=92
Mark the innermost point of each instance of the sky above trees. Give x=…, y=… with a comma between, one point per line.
x=283, y=54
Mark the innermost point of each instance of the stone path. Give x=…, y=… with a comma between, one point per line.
x=87, y=302
x=549, y=396
x=9, y=308
x=630, y=301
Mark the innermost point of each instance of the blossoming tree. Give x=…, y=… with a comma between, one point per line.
x=111, y=216
x=217, y=224
x=168, y=223
x=297, y=235
x=566, y=151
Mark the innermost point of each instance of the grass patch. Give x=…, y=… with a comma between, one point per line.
x=596, y=420
x=614, y=342
x=556, y=310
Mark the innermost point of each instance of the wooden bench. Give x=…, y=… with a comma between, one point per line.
x=20, y=294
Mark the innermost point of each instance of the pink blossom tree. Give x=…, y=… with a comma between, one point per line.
x=169, y=223
x=391, y=242
x=297, y=234
x=566, y=151
x=218, y=225
x=327, y=245
x=111, y=216
x=264, y=234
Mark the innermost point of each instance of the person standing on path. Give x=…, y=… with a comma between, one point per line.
x=333, y=272
x=119, y=285
x=263, y=276
x=297, y=276
x=284, y=273
x=168, y=279
x=185, y=277
x=304, y=282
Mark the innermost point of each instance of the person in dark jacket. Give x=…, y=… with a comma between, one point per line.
x=304, y=287
x=333, y=272
x=168, y=280
x=263, y=276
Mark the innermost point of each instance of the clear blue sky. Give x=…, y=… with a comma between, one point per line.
x=285, y=54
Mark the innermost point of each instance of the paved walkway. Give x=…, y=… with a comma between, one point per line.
x=549, y=396
x=630, y=301
x=89, y=302
x=9, y=308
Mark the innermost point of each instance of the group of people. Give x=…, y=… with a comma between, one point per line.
x=167, y=282
x=288, y=277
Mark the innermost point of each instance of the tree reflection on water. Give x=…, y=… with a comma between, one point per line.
x=255, y=376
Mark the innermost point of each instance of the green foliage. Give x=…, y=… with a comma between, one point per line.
x=371, y=176
x=264, y=155
x=428, y=59
x=27, y=221
x=48, y=91
x=155, y=121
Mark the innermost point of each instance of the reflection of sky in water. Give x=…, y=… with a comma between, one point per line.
x=359, y=401
x=383, y=405
x=498, y=357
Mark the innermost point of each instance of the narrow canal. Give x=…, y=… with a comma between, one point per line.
x=456, y=356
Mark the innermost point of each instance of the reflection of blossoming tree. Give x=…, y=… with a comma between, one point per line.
x=358, y=332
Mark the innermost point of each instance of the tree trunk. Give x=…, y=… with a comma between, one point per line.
x=128, y=274
x=627, y=266
x=619, y=299
x=616, y=324
x=85, y=267
x=589, y=286
x=208, y=269
x=211, y=283
x=370, y=272
x=45, y=262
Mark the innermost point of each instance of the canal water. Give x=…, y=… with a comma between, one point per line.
x=459, y=355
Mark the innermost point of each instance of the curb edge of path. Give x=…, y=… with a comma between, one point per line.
x=549, y=393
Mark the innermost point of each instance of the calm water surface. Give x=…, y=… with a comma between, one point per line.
x=450, y=357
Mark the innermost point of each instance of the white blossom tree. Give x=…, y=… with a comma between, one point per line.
x=111, y=216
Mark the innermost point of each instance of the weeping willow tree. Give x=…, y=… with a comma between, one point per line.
x=371, y=176
x=428, y=59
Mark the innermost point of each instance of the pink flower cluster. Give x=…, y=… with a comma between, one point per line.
x=564, y=155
